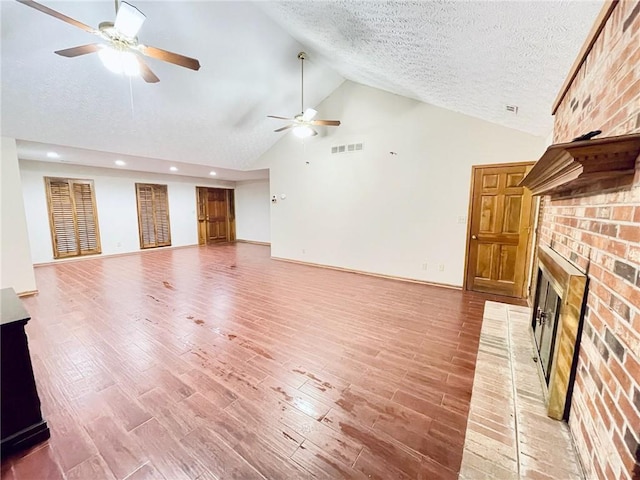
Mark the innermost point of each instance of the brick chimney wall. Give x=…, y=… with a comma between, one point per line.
x=600, y=233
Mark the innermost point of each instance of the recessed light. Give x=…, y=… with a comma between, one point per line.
x=52, y=155
x=173, y=169
x=212, y=172
x=120, y=163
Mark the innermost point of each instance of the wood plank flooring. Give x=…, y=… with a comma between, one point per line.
x=218, y=362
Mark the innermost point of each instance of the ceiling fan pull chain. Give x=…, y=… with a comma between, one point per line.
x=131, y=97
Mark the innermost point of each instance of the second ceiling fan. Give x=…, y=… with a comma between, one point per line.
x=303, y=123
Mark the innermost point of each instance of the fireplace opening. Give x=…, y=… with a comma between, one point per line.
x=545, y=323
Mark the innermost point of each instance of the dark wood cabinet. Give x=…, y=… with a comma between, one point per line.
x=21, y=420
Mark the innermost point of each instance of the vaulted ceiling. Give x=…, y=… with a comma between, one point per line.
x=471, y=57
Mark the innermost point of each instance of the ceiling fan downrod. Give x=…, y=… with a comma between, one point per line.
x=302, y=56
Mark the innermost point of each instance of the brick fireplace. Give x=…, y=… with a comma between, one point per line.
x=597, y=228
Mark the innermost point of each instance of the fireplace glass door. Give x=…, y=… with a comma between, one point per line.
x=545, y=322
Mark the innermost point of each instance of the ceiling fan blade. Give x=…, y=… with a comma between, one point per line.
x=330, y=123
x=58, y=15
x=308, y=114
x=170, y=57
x=77, y=51
x=129, y=20
x=146, y=73
x=286, y=127
x=279, y=118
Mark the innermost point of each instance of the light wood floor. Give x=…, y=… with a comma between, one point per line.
x=218, y=362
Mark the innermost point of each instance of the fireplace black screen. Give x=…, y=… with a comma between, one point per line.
x=545, y=322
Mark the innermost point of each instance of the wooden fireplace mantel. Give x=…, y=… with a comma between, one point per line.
x=567, y=166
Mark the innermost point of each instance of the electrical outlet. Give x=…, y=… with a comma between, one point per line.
x=424, y=266
x=441, y=267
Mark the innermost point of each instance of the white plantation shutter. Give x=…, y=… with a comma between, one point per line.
x=72, y=217
x=153, y=215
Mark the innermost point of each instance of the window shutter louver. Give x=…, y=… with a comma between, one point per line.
x=64, y=230
x=145, y=216
x=153, y=215
x=87, y=231
x=161, y=210
x=72, y=216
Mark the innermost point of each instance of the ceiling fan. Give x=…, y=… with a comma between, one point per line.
x=120, y=53
x=302, y=123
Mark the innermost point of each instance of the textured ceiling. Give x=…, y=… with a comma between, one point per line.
x=471, y=57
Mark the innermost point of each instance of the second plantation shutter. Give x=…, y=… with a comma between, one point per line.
x=153, y=215
x=161, y=209
x=86, y=218
x=145, y=216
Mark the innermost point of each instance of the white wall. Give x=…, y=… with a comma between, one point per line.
x=253, y=208
x=116, y=205
x=16, y=270
x=380, y=212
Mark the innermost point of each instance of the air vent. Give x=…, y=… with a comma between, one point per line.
x=350, y=148
x=513, y=109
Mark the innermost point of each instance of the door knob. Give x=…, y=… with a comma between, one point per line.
x=474, y=237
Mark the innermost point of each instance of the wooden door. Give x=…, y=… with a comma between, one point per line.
x=215, y=215
x=201, y=200
x=498, y=244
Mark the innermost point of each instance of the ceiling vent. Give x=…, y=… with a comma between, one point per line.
x=512, y=109
x=350, y=148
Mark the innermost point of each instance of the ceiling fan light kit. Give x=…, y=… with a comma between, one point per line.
x=122, y=53
x=304, y=131
x=119, y=61
x=302, y=124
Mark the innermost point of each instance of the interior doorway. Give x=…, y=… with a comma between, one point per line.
x=499, y=230
x=216, y=215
